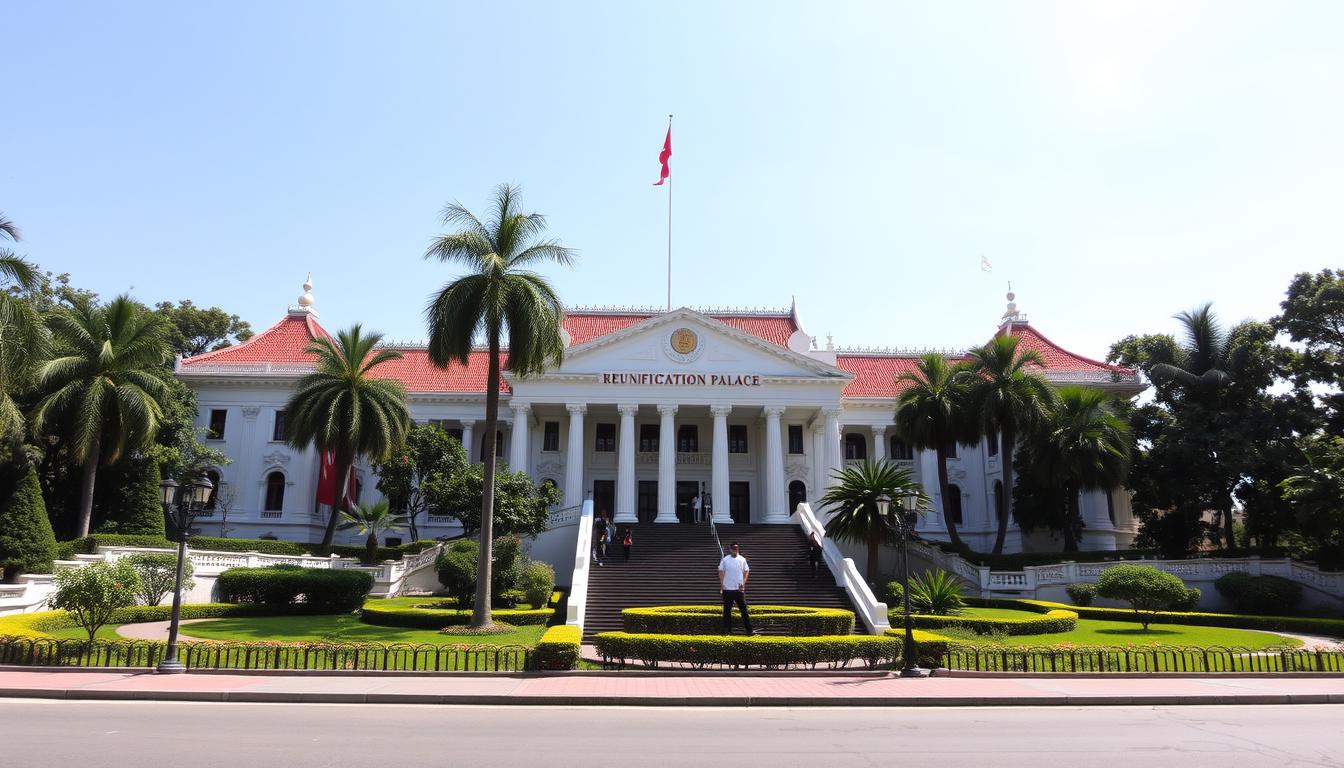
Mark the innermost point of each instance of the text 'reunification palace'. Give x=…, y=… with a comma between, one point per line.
x=648, y=409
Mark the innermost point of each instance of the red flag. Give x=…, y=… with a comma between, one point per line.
x=663, y=157
x=326, y=480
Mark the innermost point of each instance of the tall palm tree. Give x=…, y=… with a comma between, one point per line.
x=23, y=336
x=1008, y=397
x=104, y=390
x=852, y=502
x=931, y=413
x=1081, y=444
x=372, y=520
x=499, y=295
x=342, y=408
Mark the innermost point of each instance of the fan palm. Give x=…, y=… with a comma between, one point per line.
x=931, y=413
x=499, y=295
x=105, y=390
x=23, y=336
x=373, y=520
x=342, y=408
x=1008, y=398
x=1081, y=445
x=852, y=503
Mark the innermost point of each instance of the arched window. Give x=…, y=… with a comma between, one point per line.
x=856, y=448
x=953, y=503
x=900, y=450
x=216, y=481
x=797, y=494
x=998, y=500
x=992, y=444
x=275, y=492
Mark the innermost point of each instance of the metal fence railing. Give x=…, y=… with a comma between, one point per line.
x=1134, y=659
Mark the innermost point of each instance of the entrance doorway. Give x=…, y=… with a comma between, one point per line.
x=647, y=505
x=739, y=501
x=604, y=497
x=686, y=490
x=797, y=495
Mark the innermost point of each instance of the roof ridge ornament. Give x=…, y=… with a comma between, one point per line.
x=1011, y=314
x=306, y=300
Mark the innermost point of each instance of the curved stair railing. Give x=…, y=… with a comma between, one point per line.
x=870, y=611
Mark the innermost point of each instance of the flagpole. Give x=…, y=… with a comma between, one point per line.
x=669, y=228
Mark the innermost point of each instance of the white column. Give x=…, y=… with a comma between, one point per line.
x=776, y=496
x=719, y=468
x=625, y=466
x=879, y=443
x=473, y=451
x=522, y=424
x=835, y=460
x=819, y=465
x=574, y=455
x=667, y=464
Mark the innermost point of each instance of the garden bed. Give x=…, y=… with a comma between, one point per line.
x=708, y=620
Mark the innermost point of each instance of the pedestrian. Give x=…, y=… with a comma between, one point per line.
x=814, y=551
x=733, y=575
x=597, y=545
x=627, y=541
x=607, y=533
x=695, y=509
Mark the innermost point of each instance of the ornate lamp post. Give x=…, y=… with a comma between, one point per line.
x=180, y=505
x=903, y=526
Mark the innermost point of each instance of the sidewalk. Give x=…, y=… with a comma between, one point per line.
x=673, y=689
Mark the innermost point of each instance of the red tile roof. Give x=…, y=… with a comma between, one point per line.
x=281, y=343
x=1056, y=357
x=419, y=375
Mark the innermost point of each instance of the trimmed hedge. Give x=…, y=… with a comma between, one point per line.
x=42, y=622
x=558, y=648
x=708, y=619
x=437, y=615
x=1306, y=625
x=359, y=551
x=66, y=550
x=1051, y=621
x=930, y=647
x=307, y=590
x=1082, y=593
x=747, y=651
x=1259, y=594
x=1018, y=561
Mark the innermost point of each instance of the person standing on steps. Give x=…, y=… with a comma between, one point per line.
x=695, y=508
x=814, y=552
x=733, y=575
x=627, y=541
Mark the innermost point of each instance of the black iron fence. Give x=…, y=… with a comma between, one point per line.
x=1141, y=659
x=262, y=655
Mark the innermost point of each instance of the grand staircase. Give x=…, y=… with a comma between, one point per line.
x=678, y=565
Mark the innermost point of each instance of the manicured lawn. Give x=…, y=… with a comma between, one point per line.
x=1091, y=632
x=105, y=632
x=343, y=629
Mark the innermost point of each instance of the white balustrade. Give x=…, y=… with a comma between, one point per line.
x=576, y=607
x=870, y=611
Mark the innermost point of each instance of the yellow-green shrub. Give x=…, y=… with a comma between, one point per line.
x=708, y=619
x=747, y=651
x=558, y=648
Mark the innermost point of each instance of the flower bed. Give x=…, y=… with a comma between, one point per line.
x=700, y=651
x=708, y=619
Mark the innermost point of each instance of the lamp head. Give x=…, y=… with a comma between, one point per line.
x=200, y=490
x=883, y=504
x=169, y=489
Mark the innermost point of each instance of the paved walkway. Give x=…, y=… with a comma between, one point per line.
x=157, y=630
x=674, y=689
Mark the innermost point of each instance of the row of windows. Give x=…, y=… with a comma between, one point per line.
x=219, y=419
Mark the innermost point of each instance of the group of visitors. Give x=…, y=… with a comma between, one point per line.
x=604, y=531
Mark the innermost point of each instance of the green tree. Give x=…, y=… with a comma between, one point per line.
x=138, y=507
x=104, y=391
x=24, y=340
x=372, y=521
x=1081, y=444
x=344, y=408
x=499, y=296
x=519, y=506
x=1009, y=398
x=1313, y=316
x=932, y=412
x=1145, y=588
x=27, y=544
x=91, y=594
x=1316, y=494
x=158, y=572
x=429, y=458
x=852, y=504
x=193, y=330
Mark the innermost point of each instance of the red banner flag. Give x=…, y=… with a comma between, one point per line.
x=663, y=157
x=326, y=480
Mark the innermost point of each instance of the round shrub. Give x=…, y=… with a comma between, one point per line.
x=1147, y=589
x=158, y=571
x=1030, y=624
x=457, y=569
x=306, y=590
x=894, y=594
x=1082, y=593
x=27, y=544
x=727, y=650
x=537, y=583
x=437, y=615
x=708, y=619
x=1189, y=601
x=1259, y=595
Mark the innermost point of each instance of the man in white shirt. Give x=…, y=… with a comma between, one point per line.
x=733, y=575
x=695, y=508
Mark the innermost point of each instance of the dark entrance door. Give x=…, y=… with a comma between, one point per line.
x=647, y=506
x=686, y=490
x=604, y=497
x=797, y=494
x=739, y=501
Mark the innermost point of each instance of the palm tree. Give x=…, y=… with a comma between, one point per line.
x=852, y=501
x=105, y=390
x=373, y=520
x=1082, y=444
x=931, y=413
x=499, y=295
x=23, y=336
x=1008, y=398
x=342, y=408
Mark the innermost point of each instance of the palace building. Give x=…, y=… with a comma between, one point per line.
x=648, y=409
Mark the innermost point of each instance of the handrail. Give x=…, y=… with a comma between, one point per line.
x=872, y=612
x=715, y=532
x=576, y=605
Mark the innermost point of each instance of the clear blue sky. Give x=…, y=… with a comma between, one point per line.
x=1118, y=162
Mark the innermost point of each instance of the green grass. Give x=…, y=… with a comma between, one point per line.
x=105, y=632
x=1091, y=632
x=343, y=629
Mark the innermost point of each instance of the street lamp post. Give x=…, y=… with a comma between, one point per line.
x=903, y=525
x=180, y=505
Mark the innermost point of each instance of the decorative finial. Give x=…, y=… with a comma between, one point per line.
x=830, y=343
x=1011, y=314
x=306, y=301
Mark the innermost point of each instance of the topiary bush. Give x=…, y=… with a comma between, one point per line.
x=90, y=594
x=557, y=649
x=894, y=594
x=157, y=572
x=1147, y=589
x=537, y=583
x=1048, y=623
x=1259, y=594
x=1191, y=599
x=139, y=502
x=1082, y=593
x=1304, y=625
x=457, y=570
x=306, y=590
x=739, y=651
x=437, y=615
x=936, y=593
x=506, y=570
x=27, y=544
x=708, y=620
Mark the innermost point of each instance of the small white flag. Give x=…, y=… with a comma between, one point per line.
x=985, y=266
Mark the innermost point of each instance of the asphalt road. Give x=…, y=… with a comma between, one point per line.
x=202, y=735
